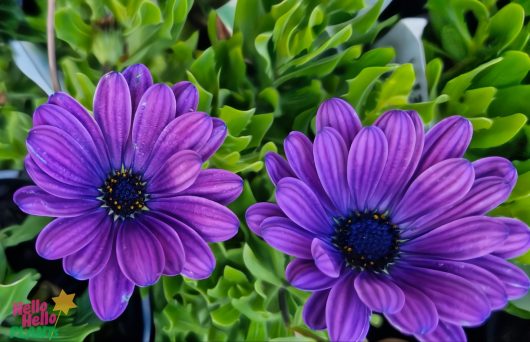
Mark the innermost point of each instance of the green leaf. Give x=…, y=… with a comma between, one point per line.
x=433, y=72
x=510, y=71
x=502, y=130
x=457, y=86
x=522, y=188
x=506, y=24
x=236, y=120
x=511, y=100
x=13, y=235
x=225, y=316
x=70, y=27
x=360, y=86
x=258, y=267
x=16, y=290
x=258, y=127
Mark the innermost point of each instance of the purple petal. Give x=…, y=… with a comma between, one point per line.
x=187, y=132
x=81, y=114
x=282, y=234
x=347, y=318
x=110, y=291
x=463, y=239
x=339, y=114
x=65, y=236
x=174, y=254
x=331, y=159
x=258, y=212
x=113, y=112
x=456, y=299
x=447, y=139
x=61, y=157
x=518, y=241
x=486, y=194
x=516, y=282
x=186, y=96
x=217, y=185
x=299, y=152
x=139, y=253
x=439, y=186
x=302, y=206
x=445, y=332
x=177, y=174
x=200, y=261
x=91, y=259
x=483, y=280
x=326, y=258
x=314, y=313
x=213, y=221
x=304, y=275
x=155, y=110
x=277, y=167
x=56, y=188
x=366, y=161
x=400, y=133
x=496, y=167
x=56, y=116
x=418, y=315
x=215, y=141
x=139, y=79
x=379, y=293
x=35, y=201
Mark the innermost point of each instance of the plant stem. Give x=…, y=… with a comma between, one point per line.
x=50, y=36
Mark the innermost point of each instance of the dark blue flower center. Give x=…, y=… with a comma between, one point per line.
x=366, y=240
x=124, y=193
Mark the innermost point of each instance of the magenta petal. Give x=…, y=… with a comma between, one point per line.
x=155, y=110
x=174, y=254
x=277, y=167
x=456, y=299
x=445, y=332
x=213, y=221
x=440, y=185
x=139, y=79
x=447, y=139
x=187, y=132
x=139, y=254
x=215, y=141
x=81, y=114
x=347, y=318
x=35, y=201
x=379, y=293
x=177, y=174
x=302, y=206
x=56, y=188
x=258, y=212
x=61, y=157
x=463, y=239
x=518, y=240
x=217, y=185
x=418, y=315
x=110, y=291
x=314, y=313
x=366, y=162
x=515, y=280
x=67, y=235
x=338, y=114
x=91, y=259
x=186, y=96
x=328, y=260
x=113, y=112
x=304, y=275
x=282, y=234
x=331, y=159
x=496, y=167
x=400, y=133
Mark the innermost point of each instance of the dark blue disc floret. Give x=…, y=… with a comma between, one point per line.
x=367, y=240
x=123, y=193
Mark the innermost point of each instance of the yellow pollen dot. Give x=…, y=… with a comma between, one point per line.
x=110, y=189
x=376, y=217
x=119, y=207
x=115, y=202
x=132, y=206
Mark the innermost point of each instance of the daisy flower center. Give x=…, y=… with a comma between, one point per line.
x=124, y=193
x=367, y=240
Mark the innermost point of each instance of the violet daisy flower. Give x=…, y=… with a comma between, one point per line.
x=384, y=219
x=126, y=185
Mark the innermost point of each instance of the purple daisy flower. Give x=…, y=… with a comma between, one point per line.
x=126, y=185
x=386, y=219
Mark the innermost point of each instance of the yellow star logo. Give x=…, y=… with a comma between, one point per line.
x=64, y=302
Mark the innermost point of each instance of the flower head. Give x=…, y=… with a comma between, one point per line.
x=386, y=219
x=126, y=185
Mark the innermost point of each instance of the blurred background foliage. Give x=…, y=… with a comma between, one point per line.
x=263, y=67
